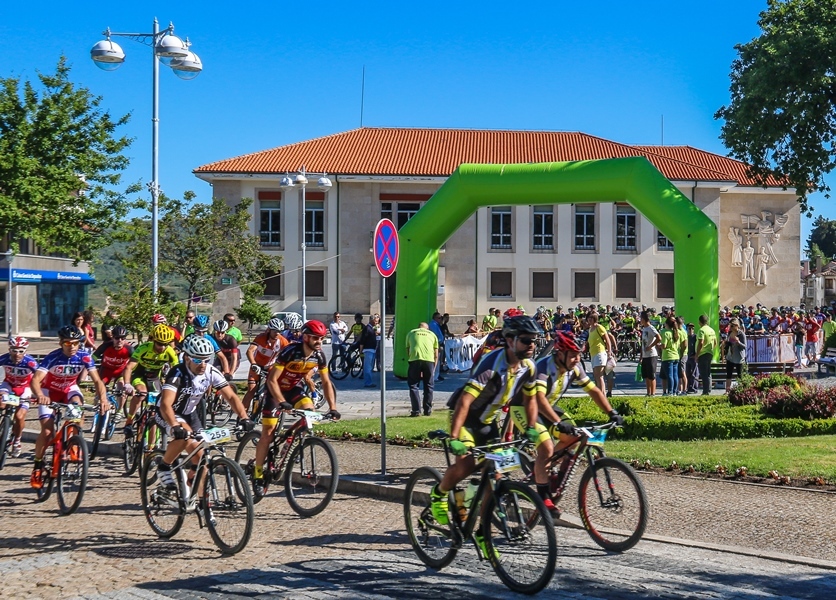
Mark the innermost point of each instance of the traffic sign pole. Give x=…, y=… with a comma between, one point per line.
x=382, y=376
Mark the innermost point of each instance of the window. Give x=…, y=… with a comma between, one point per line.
x=398, y=212
x=315, y=223
x=501, y=228
x=585, y=227
x=270, y=229
x=626, y=285
x=542, y=285
x=543, y=234
x=663, y=243
x=272, y=283
x=585, y=286
x=625, y=227
x=664, y=285
x=502, y=284
x=314, y=283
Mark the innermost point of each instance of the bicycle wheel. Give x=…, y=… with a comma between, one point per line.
x=149, y=467
x=131, y=453
x=5, y=438
x=221, y=412
x=47, y=479
x=162, y=508
x=434, y=544
x=357, y=366
x=72, y=474
x=245, y=457
x=613, y=504
x=102, y=421
x=521, y=546
x=311, y=476
x=228, y=505
x=338, y=367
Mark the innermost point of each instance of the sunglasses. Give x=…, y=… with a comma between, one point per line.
x=198, y=361
x=120, y=337
x=526, y=341
x=70, y=343
x=315, y=338
x=17, y=351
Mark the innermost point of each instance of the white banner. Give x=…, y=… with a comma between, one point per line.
x=460, y=351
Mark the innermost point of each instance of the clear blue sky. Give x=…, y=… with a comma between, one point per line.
x=278, y=73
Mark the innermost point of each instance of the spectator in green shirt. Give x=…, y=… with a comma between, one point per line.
x=422, y=354
x=828, y=326
x=706, y=346
x=233, y=331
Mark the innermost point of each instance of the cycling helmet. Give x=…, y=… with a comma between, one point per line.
x=511, y=313
x=201, y=322
x=119, y=331
x=565, y=341
x=520, y=325
x=276, y=324
x=70, y=332
x=158, y=318
x=162, y=334
x=196, y=346
x=293, y=321
x=315, y=328
x=220, y=326
x=17, y=341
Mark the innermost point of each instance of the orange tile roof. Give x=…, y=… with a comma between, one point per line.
x=437, y=152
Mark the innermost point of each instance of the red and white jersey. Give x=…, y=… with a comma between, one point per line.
x=63, y=371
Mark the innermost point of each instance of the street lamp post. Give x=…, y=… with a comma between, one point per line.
x=323, y=183
x=174, y=53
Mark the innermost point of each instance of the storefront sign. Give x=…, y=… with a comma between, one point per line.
x=39, y=276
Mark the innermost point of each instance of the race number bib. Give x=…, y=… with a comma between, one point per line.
x=11, y=400
x=311, y=418
x=505, y=460
x=216, y=435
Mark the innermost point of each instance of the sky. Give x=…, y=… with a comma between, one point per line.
x=279, y=73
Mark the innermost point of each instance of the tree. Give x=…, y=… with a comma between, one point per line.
x=782, y=116
x=251, y=310
x=60, y=162
x=822, y=240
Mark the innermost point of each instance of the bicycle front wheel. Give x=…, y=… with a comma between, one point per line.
x=131, y=453
x=220, y=413
x=357, y=367
x=519, y=538
x=311, y=476
x=102, y=421
x=161, y=506
x=338, y=367
x=613, y=504
x=435, y=544
x=72, y=475
x=5, y=439
x=47, y=479
x=228, y=505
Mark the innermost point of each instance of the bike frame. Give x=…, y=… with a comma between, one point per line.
x=63, y=432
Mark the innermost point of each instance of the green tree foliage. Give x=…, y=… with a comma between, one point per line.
x=60, y=162
x=251, y=310
x=822, y=240
x=782, y=116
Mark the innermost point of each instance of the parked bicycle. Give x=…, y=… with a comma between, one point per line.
x=66, y=461
x=628, y=346
x=146, y=435
x=306, y=463
x=612, y=501
x=515, y=531
x=219, y=494
x=11, y=402
x=349, y=361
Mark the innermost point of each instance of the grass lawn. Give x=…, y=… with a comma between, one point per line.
x=796, y=457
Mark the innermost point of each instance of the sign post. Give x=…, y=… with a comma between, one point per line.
x=386, y=251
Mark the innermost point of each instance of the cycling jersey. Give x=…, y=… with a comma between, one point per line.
x=190, y=388
x=62, y=371
x=112, y=361
x=492, y=341
x=19, y=375
x=266, y=350
x=493, y=384
x=292, y=365
x=229, y=347
x=150, y=361
x=554, y=385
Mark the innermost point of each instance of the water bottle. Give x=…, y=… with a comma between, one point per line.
x=470, y=493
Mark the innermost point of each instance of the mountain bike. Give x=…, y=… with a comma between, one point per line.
x=515, y=532
x=628, y=346
x=11, y=402
x=612, y=501
x=147, y=435
x=104, y=425
x=218, y=411
x=349, y=361
x=219, y=495
x=65, y=459
x=307, y=464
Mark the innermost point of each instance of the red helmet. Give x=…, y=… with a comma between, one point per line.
x=158, y=318
x=314, y=328
x=511, y=313
x=17, y=341
x=564, y=341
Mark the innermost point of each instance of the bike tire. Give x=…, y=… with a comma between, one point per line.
x=613, y=504
x=5, y=438
x=131, y=453
x=435, y=544
x=163, y=512
x=221, y=412
x=245, y=457
x=72, y=474
x=102, y=422
x=357, y=367
x=337, y=367
x=311, y=476
x=519, y=537
x=228, y=505
x=44, y=492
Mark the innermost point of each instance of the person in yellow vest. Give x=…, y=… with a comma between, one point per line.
x=422, y=354
x=706, y=346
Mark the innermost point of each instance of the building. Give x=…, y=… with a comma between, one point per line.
x=502, y=256
x=44, y=292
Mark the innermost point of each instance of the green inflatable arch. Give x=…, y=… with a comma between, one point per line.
x=634, y=180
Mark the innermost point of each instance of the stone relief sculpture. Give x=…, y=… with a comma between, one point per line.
x=748, y=262
x=766, y=227
x=737, y=246
x=762, y=260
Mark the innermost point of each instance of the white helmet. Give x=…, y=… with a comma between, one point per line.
x=197, y=346
x=220, y=326
x=293, y=321
x=275, y=324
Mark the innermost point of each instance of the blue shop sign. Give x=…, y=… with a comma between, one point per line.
x=39, y=276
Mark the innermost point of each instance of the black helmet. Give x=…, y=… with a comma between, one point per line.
x=119, y=331
x=520, y=325
x=70, y=332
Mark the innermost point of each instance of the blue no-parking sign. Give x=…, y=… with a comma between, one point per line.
x=386, y=247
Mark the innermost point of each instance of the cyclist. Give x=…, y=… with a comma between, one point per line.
x=182, y=392
x=201, y=328
x=293, y=322
x=261, y=353
x=19, y=368
x=113, y=356
x=227, y=359
x=494, y=382
x=287, y=388
x=495, y=339
x=59, y=373
x=146, y=364
x=160, y=319
x=555, y=374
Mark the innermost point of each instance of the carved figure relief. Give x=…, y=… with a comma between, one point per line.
x=748, y=262
x=762, y=262
x=737, y=246
x=766, y=228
